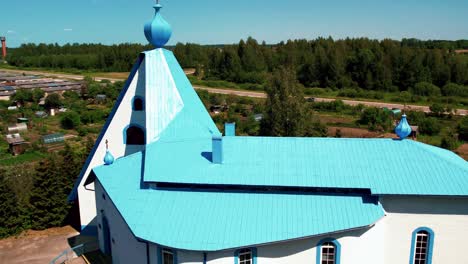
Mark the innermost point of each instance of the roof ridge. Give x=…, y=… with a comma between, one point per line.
x=425, y=147
x=315, y=138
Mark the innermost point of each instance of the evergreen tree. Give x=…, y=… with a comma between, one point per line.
x=10, y=212
x=52, y=184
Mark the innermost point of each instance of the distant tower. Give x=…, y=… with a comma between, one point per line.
x=3, y=47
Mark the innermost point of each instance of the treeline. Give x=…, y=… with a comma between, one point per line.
x=100, y=57
x=435, y=44
x=387, y=65
x=34, y=196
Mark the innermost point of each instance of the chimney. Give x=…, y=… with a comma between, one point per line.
x=3, y=47
x=217, y=149
x=230, y=129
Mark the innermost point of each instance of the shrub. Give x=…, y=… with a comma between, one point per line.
x=426, y=89
x=375, y=119
x=449, y=142
x=430, y=126
x=53, y=101
x=437, y=109
x=70, y=120
x=415, y=117
x=452, y=89
x=82, y=131
x=463, y=129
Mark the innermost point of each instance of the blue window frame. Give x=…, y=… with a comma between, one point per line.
x=245, y=256
x=167, y=256
x=138, y=103
x=422, y=242
x=328, y=251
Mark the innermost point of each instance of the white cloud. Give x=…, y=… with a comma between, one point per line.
x=68, y=29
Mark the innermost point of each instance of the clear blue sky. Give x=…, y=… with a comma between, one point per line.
x=221, y=21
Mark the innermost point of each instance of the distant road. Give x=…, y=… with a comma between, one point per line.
x=420, y=108
x=61, y=75
x=252, y=94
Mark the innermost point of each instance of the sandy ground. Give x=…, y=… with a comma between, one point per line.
x=36, y=247
x=463, y=151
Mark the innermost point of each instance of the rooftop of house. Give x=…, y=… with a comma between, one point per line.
x=14, y=139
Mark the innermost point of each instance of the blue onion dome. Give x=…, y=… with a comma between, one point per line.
x=158, y=31
x=403, y=129
x=108, y=159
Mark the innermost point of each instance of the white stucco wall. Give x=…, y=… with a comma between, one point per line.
x=124, y=246
x=447, y=217
x=304, y=251
x=114, y=134
x=387, y=242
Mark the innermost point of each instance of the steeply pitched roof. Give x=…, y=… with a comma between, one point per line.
x=385, y=166
x=208, y=221
x=179, y=114
x=173, y=109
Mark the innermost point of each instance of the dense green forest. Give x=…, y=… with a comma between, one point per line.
x=425, y=68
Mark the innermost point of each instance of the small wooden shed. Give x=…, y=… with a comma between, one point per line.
x=17, y=145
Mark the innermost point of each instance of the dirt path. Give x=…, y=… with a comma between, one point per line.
x=425, y=109
x=61, y=75
x=36, y=247
x=463, y=151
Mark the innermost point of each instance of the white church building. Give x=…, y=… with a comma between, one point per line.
x=169, y=188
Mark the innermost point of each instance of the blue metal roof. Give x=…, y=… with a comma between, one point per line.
x=385, y=166
x=175, y=112
x=208, y=221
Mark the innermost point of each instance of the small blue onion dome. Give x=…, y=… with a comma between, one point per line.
x=403, y=129
x=158, y=31
x=108, y=159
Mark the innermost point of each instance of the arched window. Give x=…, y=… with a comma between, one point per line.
x=138, y=104
x=245, y=256
x=421, y=246
x=328, y=252
x=134, y=135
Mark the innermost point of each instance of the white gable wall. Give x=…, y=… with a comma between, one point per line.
x=115, y=135
x=447, y=217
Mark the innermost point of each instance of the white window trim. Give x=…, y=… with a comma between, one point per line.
x=328, y=245
x=245, y=252
x=421, y=234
